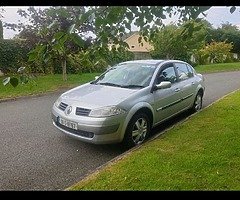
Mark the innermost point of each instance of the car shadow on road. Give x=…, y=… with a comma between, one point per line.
x=169, y=123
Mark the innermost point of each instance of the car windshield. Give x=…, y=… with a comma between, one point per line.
x=128, y=75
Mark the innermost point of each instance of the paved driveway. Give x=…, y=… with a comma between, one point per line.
x=35, y=156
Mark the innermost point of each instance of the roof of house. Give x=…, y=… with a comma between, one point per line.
x=131, y=39
x=127, y=35
x=135, y=46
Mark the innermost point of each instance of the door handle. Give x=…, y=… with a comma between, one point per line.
x=177, y=90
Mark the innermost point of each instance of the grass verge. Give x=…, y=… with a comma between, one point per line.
x=219, y=67
x=44, y=84
x=203, y=153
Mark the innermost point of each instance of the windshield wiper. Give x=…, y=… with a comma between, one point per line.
x=133, y=86
x=110, y=84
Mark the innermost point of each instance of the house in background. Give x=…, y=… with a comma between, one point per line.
x=140, y=51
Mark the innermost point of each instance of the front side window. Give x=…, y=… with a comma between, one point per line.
x=167, y=74
x=182, y=71
x=128, y=75
x=191, y=70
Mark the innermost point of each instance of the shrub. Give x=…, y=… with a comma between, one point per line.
x=215, y=52
x=83, y=62
x=13, y=54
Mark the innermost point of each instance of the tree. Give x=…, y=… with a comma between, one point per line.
x=171, y=42
x=229, y=27
x=53, y=32
x=227, y=32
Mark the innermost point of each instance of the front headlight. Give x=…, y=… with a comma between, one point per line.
x=57, y=102
x=106, y=111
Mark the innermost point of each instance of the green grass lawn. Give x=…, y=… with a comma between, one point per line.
x=44, y=84
x=220, y=67
x=203, y=153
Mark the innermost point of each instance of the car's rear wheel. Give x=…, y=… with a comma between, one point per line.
x=197, y=105
x=137, y=130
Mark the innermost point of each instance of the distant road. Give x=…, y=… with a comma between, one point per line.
x=36, y=156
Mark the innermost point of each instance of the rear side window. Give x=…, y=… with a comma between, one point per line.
x=183, y=71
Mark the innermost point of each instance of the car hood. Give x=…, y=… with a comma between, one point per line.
x=94, y=96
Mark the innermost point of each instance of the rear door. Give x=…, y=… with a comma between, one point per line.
x=187, y=84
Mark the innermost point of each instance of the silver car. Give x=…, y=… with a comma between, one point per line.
x=125, y=102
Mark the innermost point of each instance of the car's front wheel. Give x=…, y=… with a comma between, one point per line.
x=137, y=130
x=197, y=105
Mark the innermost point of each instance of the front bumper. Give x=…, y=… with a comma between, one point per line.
x=89, y=129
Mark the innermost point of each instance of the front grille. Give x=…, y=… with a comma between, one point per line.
x=82, y=111
x=77, y=132
x=62, y=106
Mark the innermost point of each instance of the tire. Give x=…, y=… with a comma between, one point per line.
x=197, y=105
x=137, y=131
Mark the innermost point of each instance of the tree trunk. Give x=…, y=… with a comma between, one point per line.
x=64, y=69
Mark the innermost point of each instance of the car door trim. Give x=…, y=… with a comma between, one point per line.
x=169, y=105
x=174, y=103
x=188, y=96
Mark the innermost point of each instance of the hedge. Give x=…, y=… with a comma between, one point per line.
x=13, y=53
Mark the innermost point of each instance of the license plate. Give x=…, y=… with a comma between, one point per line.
x=68, y=124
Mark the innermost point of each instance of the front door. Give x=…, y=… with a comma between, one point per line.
x=166, y=101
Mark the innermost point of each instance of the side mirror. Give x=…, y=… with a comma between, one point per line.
x=163, y=85
x=96, y=77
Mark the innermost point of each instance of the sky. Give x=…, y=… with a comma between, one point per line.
x=216, y=15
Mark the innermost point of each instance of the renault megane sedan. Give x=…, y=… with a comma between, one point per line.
x=128, y=100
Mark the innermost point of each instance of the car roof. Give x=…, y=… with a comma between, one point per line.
x=150, y=61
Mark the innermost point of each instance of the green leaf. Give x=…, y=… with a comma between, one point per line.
x=84, y=17
x=14, y=81
x=58, y=47
x=129, y=16
x=198, y=28
x=98, y=22
x=32, y=56
x=6, y=81
x=63, y=39
x=47, y=57
x=113, y=14
x=145, y=38
x=42, y=51
x=128, y=26
x=232, y=9
x=59, y=35
x=23, y=79
x=77, y=39
x=71, y=29
x=79, y=16
x=140, y=39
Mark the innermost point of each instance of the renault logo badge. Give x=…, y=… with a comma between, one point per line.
x=68, y=110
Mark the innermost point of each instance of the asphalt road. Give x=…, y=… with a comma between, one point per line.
x=36, y=156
